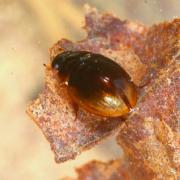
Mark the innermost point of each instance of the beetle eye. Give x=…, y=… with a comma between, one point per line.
x=56, y=66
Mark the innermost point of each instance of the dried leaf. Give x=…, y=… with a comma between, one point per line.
x=151, y=135
x=111, y=170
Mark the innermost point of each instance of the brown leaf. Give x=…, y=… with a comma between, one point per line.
x=112, y=170
x=151, y=135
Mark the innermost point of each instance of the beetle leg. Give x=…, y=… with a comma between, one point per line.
x=76, y=109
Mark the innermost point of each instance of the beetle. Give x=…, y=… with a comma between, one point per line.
x=96, y=83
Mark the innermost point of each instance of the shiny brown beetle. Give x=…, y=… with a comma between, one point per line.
x=96, y=83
